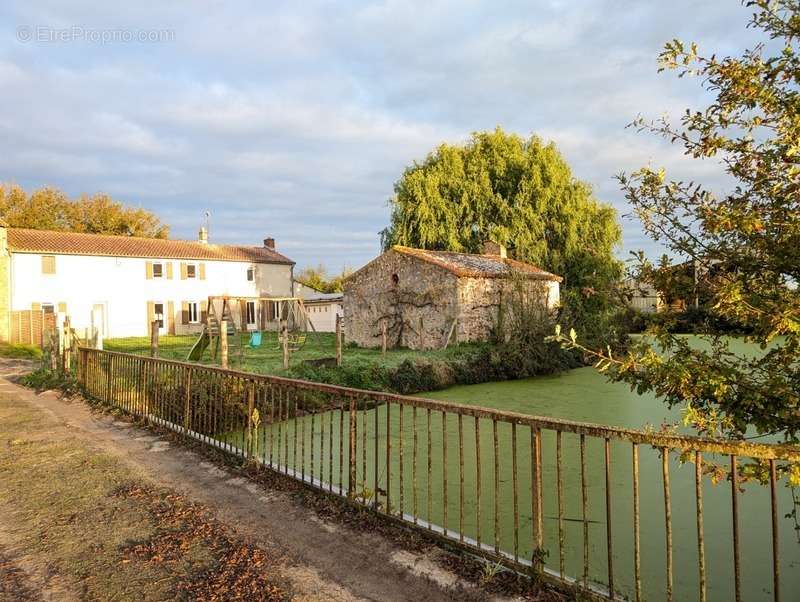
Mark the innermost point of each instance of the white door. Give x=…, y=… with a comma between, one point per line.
x=250, y=315
x=99, y=319
x=159, y=314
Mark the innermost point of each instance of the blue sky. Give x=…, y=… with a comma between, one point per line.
x=293, y=120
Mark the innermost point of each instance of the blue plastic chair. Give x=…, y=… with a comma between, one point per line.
x=255, y=339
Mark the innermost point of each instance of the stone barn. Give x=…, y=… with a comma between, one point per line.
x=430, y=299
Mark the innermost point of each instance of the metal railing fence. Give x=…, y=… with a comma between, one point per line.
x=612, y=512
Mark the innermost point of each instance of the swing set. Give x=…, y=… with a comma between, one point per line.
x=247, y=319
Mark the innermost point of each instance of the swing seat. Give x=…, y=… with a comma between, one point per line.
x=255, y=340
x=296, y=341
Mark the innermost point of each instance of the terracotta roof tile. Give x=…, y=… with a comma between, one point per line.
x=478, y=266
x=22, y=240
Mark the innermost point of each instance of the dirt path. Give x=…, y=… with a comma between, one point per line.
x=319, y=559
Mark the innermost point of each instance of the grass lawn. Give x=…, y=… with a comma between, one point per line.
x=20, y=351
x=268, y=359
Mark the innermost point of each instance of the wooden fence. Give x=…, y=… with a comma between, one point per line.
x=31, y=326
x=562, y=500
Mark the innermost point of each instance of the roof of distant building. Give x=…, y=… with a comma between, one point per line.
x=22, y=240
x=324, y=298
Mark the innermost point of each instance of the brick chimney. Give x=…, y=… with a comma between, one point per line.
x=492, y=248
x=202, y=236
x=269, y=243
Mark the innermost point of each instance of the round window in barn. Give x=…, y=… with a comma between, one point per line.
x=395, y=279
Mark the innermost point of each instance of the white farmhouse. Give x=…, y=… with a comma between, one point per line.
x=120, y=284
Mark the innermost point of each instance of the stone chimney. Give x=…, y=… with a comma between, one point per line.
x=202, y=236
x=269, y=243
x=492, y=248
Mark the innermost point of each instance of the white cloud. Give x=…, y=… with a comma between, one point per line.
x=294, y=119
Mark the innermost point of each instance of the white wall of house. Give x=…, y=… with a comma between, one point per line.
x=116, y=290
x=323, y=314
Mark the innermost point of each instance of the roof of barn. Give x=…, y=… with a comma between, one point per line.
x=471, y=265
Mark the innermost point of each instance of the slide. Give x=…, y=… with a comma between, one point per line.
x=196, y=352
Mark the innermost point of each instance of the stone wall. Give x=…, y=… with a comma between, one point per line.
x=401, y=291
x=407, y=292
x=479, y=302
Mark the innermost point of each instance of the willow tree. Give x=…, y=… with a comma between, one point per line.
x=520, y=193
x=515, y=191
x=747, y=238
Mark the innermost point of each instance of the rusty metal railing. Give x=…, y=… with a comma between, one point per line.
x=559, y=499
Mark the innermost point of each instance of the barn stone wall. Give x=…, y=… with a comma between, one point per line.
x=400, y=290
x=419, y=302
x=479, y=302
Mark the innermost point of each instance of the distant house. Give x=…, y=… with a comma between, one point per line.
x=322, y=310
x=643, y=296
x=428, y=299
x=681, y=286
x=120, y=284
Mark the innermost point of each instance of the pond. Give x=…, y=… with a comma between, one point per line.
x=435, y=491
x=585, y=395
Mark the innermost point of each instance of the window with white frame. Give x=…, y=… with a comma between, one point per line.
x=194, y=312
x=251, y=274
x=191, y=271
x=250, y=310
x=158, y=270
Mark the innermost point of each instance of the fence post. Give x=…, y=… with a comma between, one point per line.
x=285, y=344
x=67, y=359
x=154, y=338
x=187, y=402
x=141, y=390
x=223, y=343
x=151, y=387
x=59, y=363
x=351, y=477
x=79, y=366
x=383, y=337
x=338, y=340
x=54, y=351
x=250, y=406
x=109, y=370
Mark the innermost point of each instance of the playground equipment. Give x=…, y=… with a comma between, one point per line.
x=245, y=316
x=295, y=342
x=255, y=340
